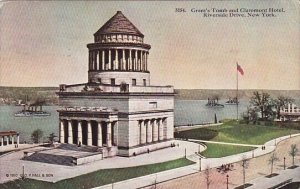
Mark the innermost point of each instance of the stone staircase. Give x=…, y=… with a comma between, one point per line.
x=52, y=159
x=81, y=148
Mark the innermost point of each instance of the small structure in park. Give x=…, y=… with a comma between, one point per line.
x=290, y=112
x=8, y=138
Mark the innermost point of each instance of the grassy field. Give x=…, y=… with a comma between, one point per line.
x=234, y=132
x=222, y=150
x=98, y=178
x=240, y=133
x=249, y=134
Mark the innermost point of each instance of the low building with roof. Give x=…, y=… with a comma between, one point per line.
x=290, y=112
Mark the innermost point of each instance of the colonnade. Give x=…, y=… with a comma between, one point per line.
x=152, y=130
x=9, y=140
x=90, y=133
x=118, y=59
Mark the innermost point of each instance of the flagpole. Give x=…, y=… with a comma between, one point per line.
x=237, y=93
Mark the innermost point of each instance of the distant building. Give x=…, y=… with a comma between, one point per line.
x=117, y=110
x=8, y=138
x=290, y=113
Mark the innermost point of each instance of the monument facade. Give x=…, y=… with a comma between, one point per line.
x=117, y=110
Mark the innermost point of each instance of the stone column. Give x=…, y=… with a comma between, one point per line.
x=2, y=141
x=143, y=61
x=18, y=140
x=130, y=60
x=103, y=60
x=79, y=132
x=123, y=60
x=149, y=132
x=89, y=133
x=140, y=61
x=117, y=60
x=136, y=60
x=100, y=59
x=155, y=130
x=160, y=130
x=115, y=133
x=61, y=132
x=12, y=139
x=70, y=137
x=144, y=131
x=7, y=140
x=99, y=142
x=166, y=130
x=146, y=62
x=140, y=132
x=108, y=138
x=90, y=60
x=109, y=59
x=95, y=60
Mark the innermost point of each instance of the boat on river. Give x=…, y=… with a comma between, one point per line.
x=232, y=101
x=214, y=103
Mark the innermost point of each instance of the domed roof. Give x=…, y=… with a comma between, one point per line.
x=119, y=24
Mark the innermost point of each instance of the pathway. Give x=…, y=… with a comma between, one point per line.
x=192, y=169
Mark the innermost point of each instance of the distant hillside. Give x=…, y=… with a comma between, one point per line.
x=202, y=94
x=48, y=93
x=33, y=93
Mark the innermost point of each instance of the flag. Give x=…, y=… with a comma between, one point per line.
x=240, y=69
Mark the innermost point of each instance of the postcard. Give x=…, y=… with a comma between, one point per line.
x=150, y=94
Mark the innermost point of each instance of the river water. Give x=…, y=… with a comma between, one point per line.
x=186, y=112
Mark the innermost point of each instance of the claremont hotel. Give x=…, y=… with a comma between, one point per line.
x=117, y=110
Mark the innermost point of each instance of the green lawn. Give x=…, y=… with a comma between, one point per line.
x=234, y=132
x=249, y=134
x=240, y=133
x=99, y=178
x=222, y=150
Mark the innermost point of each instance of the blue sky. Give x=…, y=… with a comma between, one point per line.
x=44, y=43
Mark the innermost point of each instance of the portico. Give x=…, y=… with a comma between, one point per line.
x=8, y=138
x=88, y=128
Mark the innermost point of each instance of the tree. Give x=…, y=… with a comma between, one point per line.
x=207, y=176
x=263, y=103
x=272, y=160
x=250, y=115
x=245, y=165
x=294, y=152
x=154, y=184
x=51, y=138
x=280, y=102
x=36, y=135
x=123, y=87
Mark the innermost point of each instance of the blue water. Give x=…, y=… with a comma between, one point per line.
x=25, y=125
x=195, y=111
x=186, y=112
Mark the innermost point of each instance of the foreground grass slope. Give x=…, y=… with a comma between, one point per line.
x=237, y=133
x=222, y=150
x=233, y=132
x=98, y=178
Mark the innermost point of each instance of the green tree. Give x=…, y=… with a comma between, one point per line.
x=36, y=135
x=272, y=160
x=51, y=138
x=263, y=103
x=294, y=152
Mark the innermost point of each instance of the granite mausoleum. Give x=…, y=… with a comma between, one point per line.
x=117, y=110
